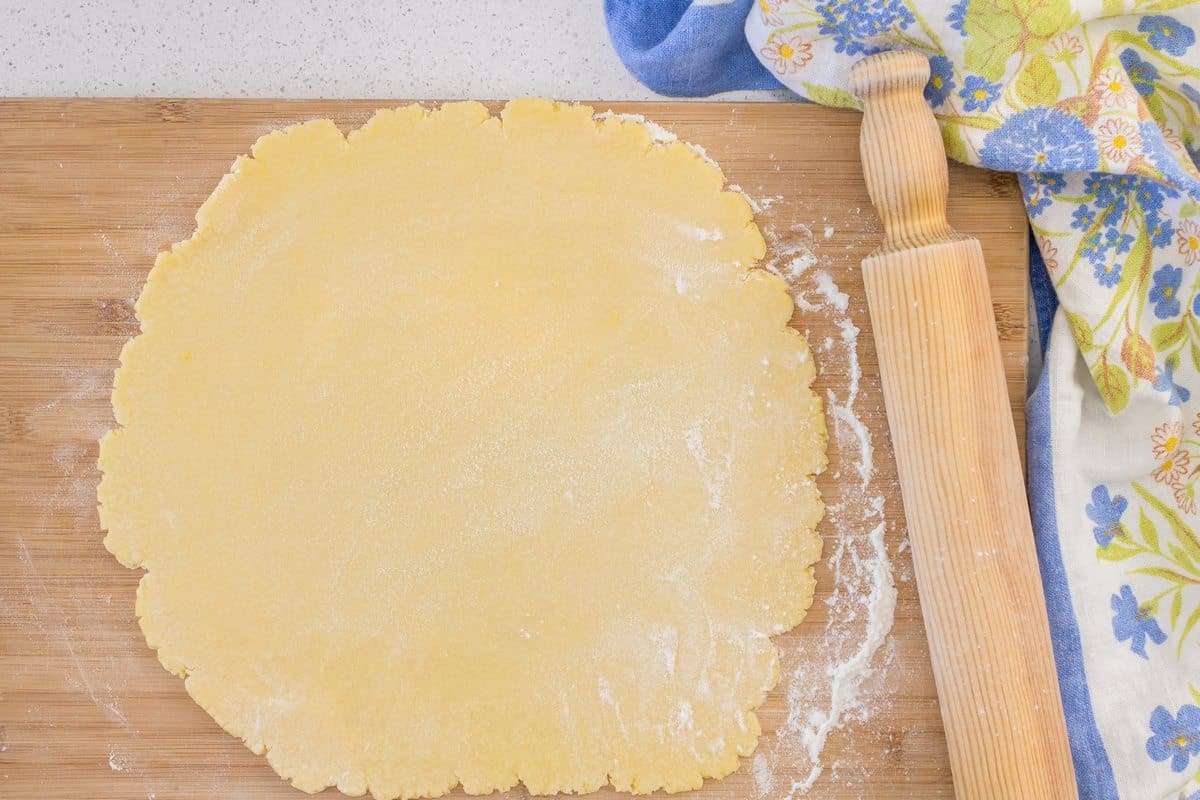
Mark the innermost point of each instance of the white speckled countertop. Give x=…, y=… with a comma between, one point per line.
x=314, y=48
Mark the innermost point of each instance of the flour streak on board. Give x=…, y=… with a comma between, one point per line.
x=827, y=686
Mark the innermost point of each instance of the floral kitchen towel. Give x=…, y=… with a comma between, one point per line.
x=1099, y=113
x=1096, y=106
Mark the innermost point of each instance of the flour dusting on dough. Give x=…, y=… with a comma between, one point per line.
x=702, y=234
x=491, y=443
x=658, y=133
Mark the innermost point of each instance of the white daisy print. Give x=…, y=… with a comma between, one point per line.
x=1114, y=89
x=1119, y=140
x=788, y=54
x=1188, y=237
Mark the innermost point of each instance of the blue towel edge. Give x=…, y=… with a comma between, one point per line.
x=1096, y=780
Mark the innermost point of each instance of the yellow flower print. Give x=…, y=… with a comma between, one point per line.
x=770, y=12
x=1166, y=439
x=1119, y=140
x=1114, y=89
x=1173, y=467
x=1188, y=237
x=788, y=54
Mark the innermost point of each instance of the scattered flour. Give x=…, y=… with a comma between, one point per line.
x=848, y=675
x=764, y=778
x=799, y=265
x=117, y=762
x=757, y=204
x=829, y=290
x=861, y=607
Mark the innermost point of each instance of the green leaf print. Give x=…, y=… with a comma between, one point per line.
x=831, y=96
x=1166, y=574
x=1176, y=607
x=1038, y=84
x=952, y=137
x=996, y=29
x=1116, y=552
x=1166, y=335
x=1113, y=383
x=1149, y=532
x=1187, y=628
x=1081, y=331
x=1183, y=533
x=1137, y=263
x=1181, y=557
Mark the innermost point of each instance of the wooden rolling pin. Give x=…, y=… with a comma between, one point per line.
x=956, y=450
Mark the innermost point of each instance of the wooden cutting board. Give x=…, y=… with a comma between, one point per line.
x=91, y=190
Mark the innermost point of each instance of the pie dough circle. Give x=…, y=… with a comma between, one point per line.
x=470, y=449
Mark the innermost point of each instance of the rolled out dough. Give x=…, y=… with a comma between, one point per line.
x=470, y=449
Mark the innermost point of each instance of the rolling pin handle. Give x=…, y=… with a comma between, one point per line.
x=904, y=160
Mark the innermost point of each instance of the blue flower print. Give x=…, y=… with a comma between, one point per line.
x=1107, y=270
x=1174, y=737
x=1164, y=381
x=1131, y=623
x=1106, y=512
x=1097, y=183
x=941, y=80
x=958, y=15
x=1142, y=74
x=1083, y=217
x=1037, y=205
x=1116, y=211
x=978, y=93
x=1167, y=34
x=1165, y=291
x=1107, y=187
x=1115, y=240
x=1053, y=181
x=1031, y=188
x=1161, y=229
x=1196, y=305
x=1040, y=139
x=850, y=21
x=1151, y=195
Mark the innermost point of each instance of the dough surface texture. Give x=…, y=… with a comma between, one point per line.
x=470, y=449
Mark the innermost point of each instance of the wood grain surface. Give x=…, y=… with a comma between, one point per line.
x=91, y=190
x=964, y=502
